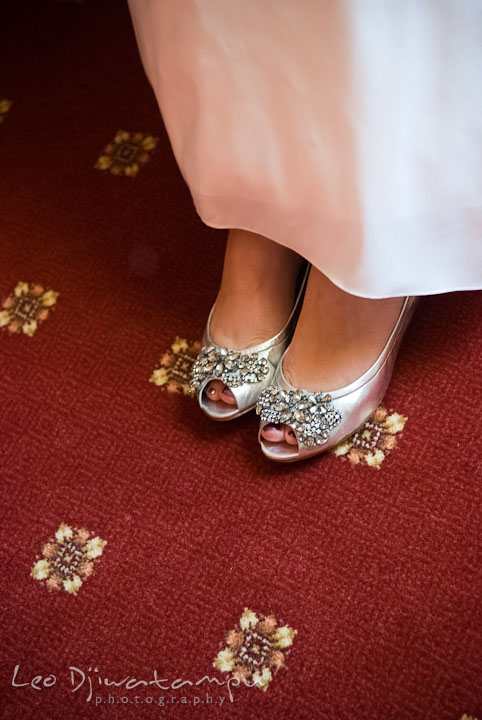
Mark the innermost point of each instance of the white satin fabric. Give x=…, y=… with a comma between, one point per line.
x=348, y=130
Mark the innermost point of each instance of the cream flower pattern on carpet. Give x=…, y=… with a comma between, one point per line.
x=5, y=106
x=375, y=439
x=127, y=153
x=174, y=371
x=255, y=649
x=26, y=308
x=68, y=559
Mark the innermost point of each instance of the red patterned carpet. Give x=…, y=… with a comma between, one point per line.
x=146, y=546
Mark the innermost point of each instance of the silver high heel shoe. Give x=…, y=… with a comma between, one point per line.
x=246, y=372
x=321, y=420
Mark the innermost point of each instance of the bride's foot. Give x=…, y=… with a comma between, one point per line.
x=337, y=338
x=216, y=390
x=255, y=297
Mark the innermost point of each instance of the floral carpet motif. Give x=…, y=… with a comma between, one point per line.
x=26, y=308
x=5, y=106
x=68, y=559
x=255, y=649
x=126, y=153
x=375, y=439
x=174, y=371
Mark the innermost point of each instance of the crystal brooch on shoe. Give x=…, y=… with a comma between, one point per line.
x=312, y=415
x=233, y=368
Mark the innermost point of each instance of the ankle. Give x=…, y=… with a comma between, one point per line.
x=257, y=290
x=255, y=265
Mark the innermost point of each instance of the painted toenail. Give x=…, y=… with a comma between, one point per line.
x=212, y=391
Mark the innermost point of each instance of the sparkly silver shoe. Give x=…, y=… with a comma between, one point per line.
x=321, y=420
x=246, y=372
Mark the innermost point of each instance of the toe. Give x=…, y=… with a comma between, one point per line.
x=273, y=433
x=213, y=390
x=227, y=396
x=289, y=435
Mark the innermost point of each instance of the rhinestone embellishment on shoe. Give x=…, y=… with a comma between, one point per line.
x=312, y=415
x=232, y=367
